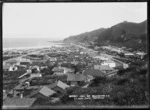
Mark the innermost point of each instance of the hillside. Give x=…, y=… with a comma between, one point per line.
x=86, y=37
x=128, y=34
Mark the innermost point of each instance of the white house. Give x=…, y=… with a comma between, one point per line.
x=109, y=63
x=128, y=54
x=125, y=66
x=101, y=58
x=33, y=75
x=13, y=68
x=141, y=54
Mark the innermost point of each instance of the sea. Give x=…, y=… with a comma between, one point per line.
x=24, y=43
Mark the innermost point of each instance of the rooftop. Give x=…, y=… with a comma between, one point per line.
x=103, y=67
x=76, y=77
x=59, y=84
x=46, y=91
x=18, y=102
x=94, y=72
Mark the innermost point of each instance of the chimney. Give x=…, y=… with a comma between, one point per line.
x=21, y=95
x=14, y=93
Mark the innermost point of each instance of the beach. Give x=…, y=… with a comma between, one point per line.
x=19, y=44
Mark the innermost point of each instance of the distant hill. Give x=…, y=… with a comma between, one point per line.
x=128, y=34
x=86, y=37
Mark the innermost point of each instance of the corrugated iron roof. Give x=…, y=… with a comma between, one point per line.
x=76, y=77
x=46, y=91
x=18, y=102
x=94, y=72
x=59, y=84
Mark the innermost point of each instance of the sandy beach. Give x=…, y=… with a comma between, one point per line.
x=34, y=47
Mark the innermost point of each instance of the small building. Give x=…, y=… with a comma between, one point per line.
x=111, y=64
x=42, y=92
x=59, y=86
x=94, y=73
x=101, y=58
x=58, y=71
x=112, y=73
x=12, y=62
x=125, y=65
x=33, y=75
x=74, y=79
x=8, y=67
x=128, y=54
x=141, y=54
x=34, y=68
x=18, y=102
x=52, y=59
x=4, y=94
x=75, y=62
x=24, y=61
x=104, y=68
x=13, y=68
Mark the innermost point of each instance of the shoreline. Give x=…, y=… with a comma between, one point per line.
x=34, y=47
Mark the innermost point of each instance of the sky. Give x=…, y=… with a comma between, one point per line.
x=56, y=21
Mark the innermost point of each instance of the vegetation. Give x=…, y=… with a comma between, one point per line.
x=7, y=57
x=127, y=88
x=125, y=34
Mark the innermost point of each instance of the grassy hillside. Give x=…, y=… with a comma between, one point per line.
x=128, y=34
x=86, y=37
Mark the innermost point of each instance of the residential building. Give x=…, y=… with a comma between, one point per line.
x=104, y=68
x=59, y=86
x=18, y=102
x=74, y=79
x=42, y=92
x=94, y=72
x=109, y=63
x=33, y=75
x=12, y=62
x=8, y=67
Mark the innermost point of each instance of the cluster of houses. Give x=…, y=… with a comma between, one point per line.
x=125, y=52
x=80, y=66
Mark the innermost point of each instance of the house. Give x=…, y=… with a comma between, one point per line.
x=74, y=79
x=42, y=92
x=46, y=57
x=125, y=65
x=109, y=63
x=59, y=86
x=18, y=102
x=52, y=59
x=94, y=72
x=62, y=70
x=8, y=67
x=101, y=58
x=140, y=54
x=74, y=62
x=13, y=68
x=24, y=61
x=68, y=70
x=58, y=71
x=19, y=87
x=12, y=62
x=128, y=54
x=43, y=67
x=112, y=73
x=4, y=94
x=33, y=75
x=104, y=68
x=34, y=68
